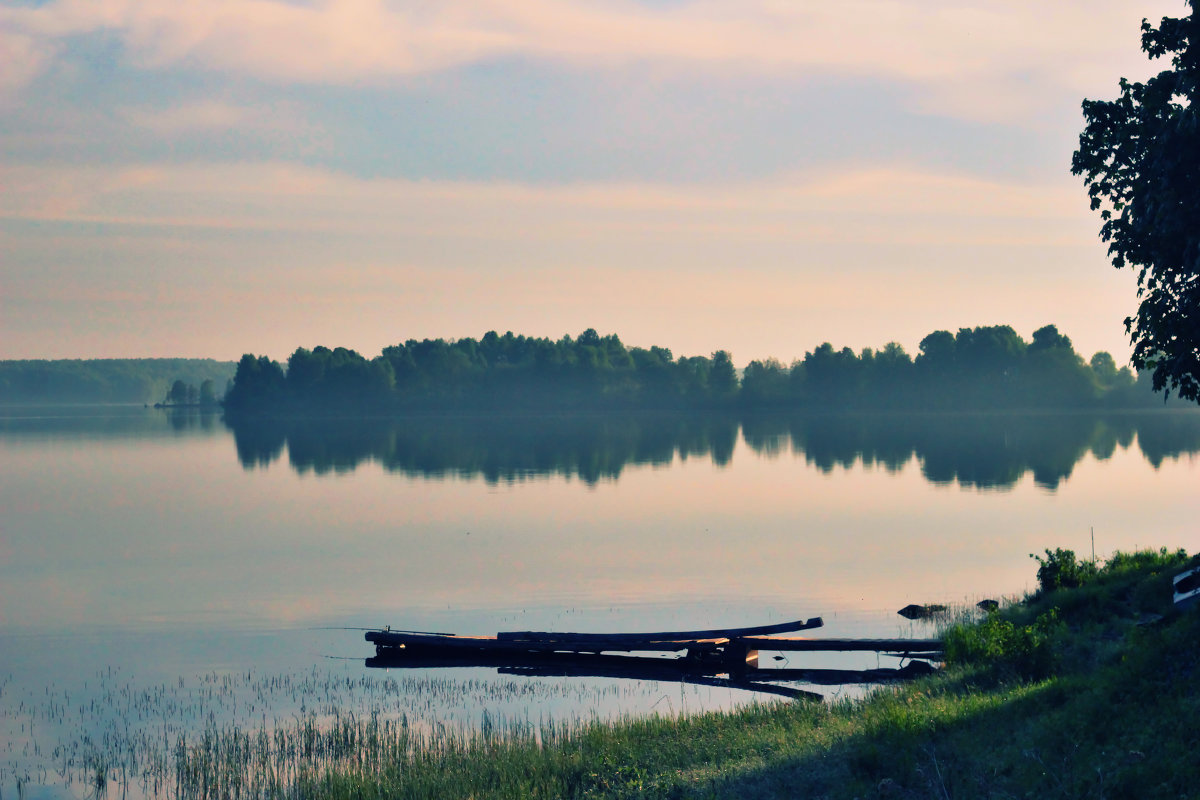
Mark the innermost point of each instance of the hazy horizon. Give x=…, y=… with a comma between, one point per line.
x=282, y=358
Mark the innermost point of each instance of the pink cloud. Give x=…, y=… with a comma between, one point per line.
x=24, y=56
x=851, y=204
x=990, y=59
x=856, y=255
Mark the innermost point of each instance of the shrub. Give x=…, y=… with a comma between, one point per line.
x=1145, y=560
x=1027, y=650
x=1060, y=570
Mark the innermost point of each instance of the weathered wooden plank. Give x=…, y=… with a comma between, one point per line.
x=835, y=677
x=663, y=636
x=393, y=639
x=594, y=643
x=910, y=646
x=732, y=682
x=402, y=638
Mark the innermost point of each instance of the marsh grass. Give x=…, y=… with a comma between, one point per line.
x=1066, y=694
x=1108, y=711
x=244, y=734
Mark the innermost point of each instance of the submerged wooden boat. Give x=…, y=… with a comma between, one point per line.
x=694, y=642
x=707, y=653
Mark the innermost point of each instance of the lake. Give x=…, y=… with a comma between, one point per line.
x=166, y=571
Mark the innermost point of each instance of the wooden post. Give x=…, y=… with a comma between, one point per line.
x=739, y=657
x=751, y=661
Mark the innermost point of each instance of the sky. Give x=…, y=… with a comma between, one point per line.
x=207, y=179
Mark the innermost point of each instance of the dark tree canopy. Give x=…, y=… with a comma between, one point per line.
x=1140, y=158
x=986, y=367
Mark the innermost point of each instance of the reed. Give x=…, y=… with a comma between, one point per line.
x=1107, y=712
x=250, y=734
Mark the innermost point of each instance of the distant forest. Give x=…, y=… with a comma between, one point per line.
x=110, y=380
x=989, y=367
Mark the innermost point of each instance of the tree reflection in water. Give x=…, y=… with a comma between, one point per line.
x=983, y=451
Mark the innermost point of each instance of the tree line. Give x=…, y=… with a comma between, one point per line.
x=986, y=367
x=589, y=372
x=109, y=380
x=989, y=367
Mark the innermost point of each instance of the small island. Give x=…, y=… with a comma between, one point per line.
x=981, y=368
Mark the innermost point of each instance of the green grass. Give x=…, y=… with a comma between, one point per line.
x=1063, y=695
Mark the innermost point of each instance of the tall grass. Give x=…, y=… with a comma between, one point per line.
x=247, y=734
x=1074, y=692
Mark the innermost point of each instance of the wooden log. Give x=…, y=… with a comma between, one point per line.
x=906, y=646
x=595, y=644
x=663, y=636
x=583, y=664
x=836, y=677
x=732, y=682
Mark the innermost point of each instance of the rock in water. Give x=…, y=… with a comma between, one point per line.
x=914, y=611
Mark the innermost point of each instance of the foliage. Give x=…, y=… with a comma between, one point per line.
x=977, y=368
x=258, y=384
x=1026, y=650
x=183, y=393
x=1140, y=158
x=588, y=373
x=1087, y=595
x=1060, y=569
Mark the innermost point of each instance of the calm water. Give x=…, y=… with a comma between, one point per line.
x=156, y=555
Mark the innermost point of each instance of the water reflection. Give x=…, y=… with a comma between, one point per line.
x=98, y=422
x=993, y=451
x=495, y=449
x=981, y=451
x=662, y=670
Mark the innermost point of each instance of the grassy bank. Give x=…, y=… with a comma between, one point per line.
x=1076, y=692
